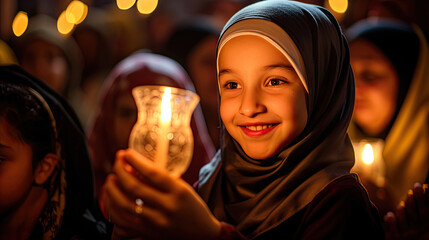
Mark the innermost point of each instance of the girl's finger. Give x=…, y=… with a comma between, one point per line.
x=133, y=219
x=135, y=188
x=158, y=178
x=117, y=204
x=425, y=212
x=401, y=217
x=411, y=209
x=420, y=201
x=391, y=226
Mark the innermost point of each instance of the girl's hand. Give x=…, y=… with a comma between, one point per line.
x=171, y=208
x=411, y=218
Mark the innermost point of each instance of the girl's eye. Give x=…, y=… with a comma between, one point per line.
x=275, y=82
x=232, y=85
x=369, y=77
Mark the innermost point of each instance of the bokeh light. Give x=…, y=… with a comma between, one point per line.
x=125, y=4
x=64, y=26
x=76, y=12
x=339, y=6
x=146, y=6
x=20, y=23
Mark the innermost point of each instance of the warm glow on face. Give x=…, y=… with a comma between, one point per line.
x=368, y=154
x=20, y=23
x=339, y=6
x=125, y=4
x=166, y=106
x=377, y=87
x=263, y=101
x=146, y=6
x=64, y=27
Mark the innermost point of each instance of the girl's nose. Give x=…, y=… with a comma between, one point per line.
x=251, y=104
x=360, y=86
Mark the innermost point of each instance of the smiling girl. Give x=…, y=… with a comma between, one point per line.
x=286, y=99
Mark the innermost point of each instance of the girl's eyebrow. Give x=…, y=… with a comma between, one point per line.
x=224, y=71
x=281, y=65
x=271, y=66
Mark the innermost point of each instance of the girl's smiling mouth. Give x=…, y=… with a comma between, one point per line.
x=256, y=129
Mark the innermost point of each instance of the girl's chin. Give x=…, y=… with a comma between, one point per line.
x=258, y=155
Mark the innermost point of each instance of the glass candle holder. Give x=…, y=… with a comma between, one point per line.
x=162, y=132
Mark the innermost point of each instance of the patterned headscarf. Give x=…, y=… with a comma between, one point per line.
x=70, y=189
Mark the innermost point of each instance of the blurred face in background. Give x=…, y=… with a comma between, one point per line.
x=201, y=64
x=377, y=86
x=46, y=62
x=125, y=116
x=202, y=70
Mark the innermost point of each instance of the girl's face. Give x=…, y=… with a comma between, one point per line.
x=263, y=101
x=376, y=87
x=124, y=118
x=47, y=62
x=202, y=69
x=16, y=171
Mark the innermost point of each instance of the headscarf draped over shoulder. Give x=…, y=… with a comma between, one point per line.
x=258, y=195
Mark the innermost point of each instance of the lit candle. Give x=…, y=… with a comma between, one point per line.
x=368, y=154
x=369, y=161
x=161, y=155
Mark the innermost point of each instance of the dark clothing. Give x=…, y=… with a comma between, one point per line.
x=87, y=226
x=341, y=210
x=78, y=217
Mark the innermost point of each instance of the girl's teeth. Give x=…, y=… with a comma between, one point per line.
x=259, y=127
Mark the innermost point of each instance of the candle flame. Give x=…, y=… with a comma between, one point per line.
x=166, y=106
x=368, y=154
